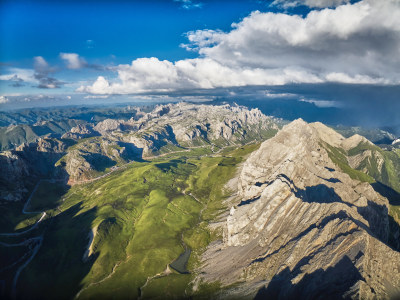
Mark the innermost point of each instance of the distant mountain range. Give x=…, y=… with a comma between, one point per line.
x=26, y=126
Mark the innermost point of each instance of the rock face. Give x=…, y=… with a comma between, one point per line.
x=98, y=154
x=189, y=125
x=301, y=228
x=22, y=167
x=107, y=126
x=79, y=132
x=13, y=171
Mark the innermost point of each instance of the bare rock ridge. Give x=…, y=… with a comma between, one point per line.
x=89, y=149
x=301, y=228
x=167, y=128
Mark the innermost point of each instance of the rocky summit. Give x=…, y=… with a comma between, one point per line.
x=299, y=227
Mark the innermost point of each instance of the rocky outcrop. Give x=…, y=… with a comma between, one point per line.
x=79, y=132
x=24, y=166
x=301, y=228
x=13, y=172
x=85, y=160
x=354, y=141
x=108, y=126
x=190, y=125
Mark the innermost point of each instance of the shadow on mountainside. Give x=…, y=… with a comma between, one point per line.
x=132, y=151
x=332, y=283
x=373, y=212
x=57, y=269
x=319, y=193
x=335, y=282
x=387, y=192
x=100, y=162
x=394, y=200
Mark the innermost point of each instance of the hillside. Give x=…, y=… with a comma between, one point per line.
x=197, y=201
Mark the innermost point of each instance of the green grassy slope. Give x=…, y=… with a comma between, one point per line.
x=382, y=170
x=389, y=173
x=339, y=157
x=145, y=215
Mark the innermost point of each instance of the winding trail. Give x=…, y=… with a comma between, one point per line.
x=38, y=240
x=164, y=273
x=34, y=252
x=98, y=282
x=26, y=205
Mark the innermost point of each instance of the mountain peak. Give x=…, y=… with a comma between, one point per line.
x=354, y=141
x=296, y=214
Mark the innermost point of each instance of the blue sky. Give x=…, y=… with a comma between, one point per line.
x=104, y=32
x=126, y=29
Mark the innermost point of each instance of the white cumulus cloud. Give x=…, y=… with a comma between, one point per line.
x=351, y=43
x=73, y=60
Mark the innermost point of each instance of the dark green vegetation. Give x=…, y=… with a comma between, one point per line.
x=47, y=196
x=115, y=237
x=388, y=173
x=376, y=165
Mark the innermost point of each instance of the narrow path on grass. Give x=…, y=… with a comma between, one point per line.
x=34, y=252
x=26, y=205
x=188, y=149
x=98, y=282
x=164, y=273
x=38, y=240
x=167, y=270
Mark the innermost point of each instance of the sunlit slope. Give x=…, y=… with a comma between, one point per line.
x=142, y=219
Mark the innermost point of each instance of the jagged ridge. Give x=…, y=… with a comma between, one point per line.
x=297, y=218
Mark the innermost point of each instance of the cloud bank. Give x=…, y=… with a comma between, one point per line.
x=352, y=43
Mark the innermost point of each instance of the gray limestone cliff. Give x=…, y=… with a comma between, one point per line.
x=301, y=228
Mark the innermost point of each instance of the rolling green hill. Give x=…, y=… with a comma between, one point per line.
x=143, y=217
